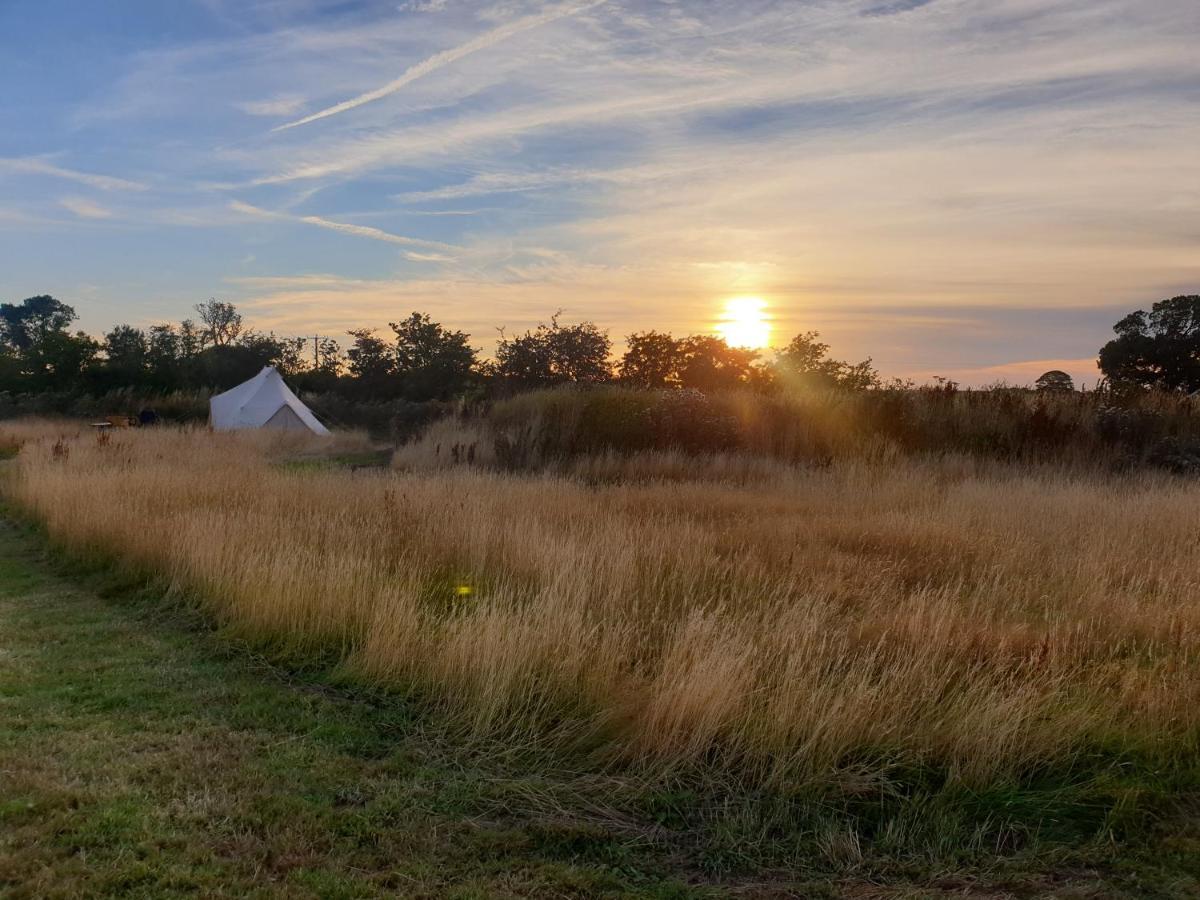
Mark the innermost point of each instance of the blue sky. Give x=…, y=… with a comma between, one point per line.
x=975, y=188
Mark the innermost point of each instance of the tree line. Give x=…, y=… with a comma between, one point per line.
x=419, y=359
x=415, y=359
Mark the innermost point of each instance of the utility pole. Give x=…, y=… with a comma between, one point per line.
x=316, y=351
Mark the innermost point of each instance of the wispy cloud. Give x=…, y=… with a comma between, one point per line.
x=422, y=6
x=521, y=182
x=392, y=147
x=16, y=217
x=276, y=106
x=84, y=208
x=32, y=165
x=364, y=231
x=850, y=162
x=445, y=58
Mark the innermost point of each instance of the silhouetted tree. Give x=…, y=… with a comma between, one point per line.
x=40, y=353
x=191, y=340
x=222, y=323
x=1055, y=381
x=371, y=363
x=1157, y=349
x=805, y=362
x=329, y=357
x=58, y=360
x=323, y=375
x=284, y=353
x=225, y=366
x=164, y=365
x=24, y=324
x=710, y=364
x=653, y=360
x=432, y=362
x=125, y=351
x=555, y=354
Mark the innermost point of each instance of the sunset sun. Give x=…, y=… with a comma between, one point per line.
x=744, y=323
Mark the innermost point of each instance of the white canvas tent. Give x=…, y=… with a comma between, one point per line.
x=262, y=402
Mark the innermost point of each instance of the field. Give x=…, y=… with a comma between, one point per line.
x=892, y=666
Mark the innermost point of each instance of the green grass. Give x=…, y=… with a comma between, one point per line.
x=365, y=459
x=144, y=755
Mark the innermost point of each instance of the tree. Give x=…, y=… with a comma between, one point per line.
x=163, y=363
x=805, y=362
x=1157, y=349
x=227, y=365
x=59, y=359
x=40, y=352
x=371, y=362
x=556, y=354
x=222, y=323
x=285, y=354
x=24, y=324
x=653, y=360
x=1055, y=381
x=125, y=349
x=710, y=364
x=326, y=368
x=329, y=358
x=191, y=340
x=432, y=362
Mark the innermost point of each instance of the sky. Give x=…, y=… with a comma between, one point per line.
x=976, y=189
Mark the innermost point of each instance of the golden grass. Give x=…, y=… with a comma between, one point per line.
x=794, y=627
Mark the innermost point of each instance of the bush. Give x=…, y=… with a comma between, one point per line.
x=814, y=427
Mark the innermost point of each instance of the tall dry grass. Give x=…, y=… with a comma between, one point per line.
x=826, y=628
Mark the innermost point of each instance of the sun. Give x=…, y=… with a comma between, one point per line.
x=744, y=323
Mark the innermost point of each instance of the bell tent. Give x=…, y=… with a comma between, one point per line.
x=262, y=402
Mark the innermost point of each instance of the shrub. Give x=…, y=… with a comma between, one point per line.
x=1110, y=428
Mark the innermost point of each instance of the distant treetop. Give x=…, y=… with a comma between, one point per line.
x=1054, y=381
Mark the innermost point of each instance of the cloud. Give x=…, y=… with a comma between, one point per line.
x=520, y=182
x=422, y=6
x=85, y=208
x=37, y=166
x=895, y=7
x=444, y=212
x=364, y=231
x=392, y=147
x=445, y=58
x=329, y=304
x=296, y=282
x=375, y=234
x=851, y=162
x=1083, y=371
x=17, y=217
x=278, y=106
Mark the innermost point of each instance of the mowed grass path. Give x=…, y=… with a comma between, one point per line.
x=141, y=756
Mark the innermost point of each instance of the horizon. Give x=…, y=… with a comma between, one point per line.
x=966, y=189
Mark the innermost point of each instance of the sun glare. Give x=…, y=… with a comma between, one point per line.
x=744, y=323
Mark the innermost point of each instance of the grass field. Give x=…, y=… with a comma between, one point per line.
x=143, y=756
x=856, y=672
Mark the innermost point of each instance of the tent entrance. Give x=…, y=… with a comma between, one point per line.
x=285, y=420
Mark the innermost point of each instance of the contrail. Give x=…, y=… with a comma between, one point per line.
x=438, y=60
x=35, y=166
x=365, y=231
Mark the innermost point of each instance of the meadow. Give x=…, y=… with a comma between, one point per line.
x=933, y=654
